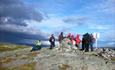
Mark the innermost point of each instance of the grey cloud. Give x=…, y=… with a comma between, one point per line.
x=20, y=29
x=8, y=2
x=9, y=20
x=17, y=11
x=76, y=20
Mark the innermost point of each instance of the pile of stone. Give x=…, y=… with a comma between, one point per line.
x=106, y=53
x=67, y=45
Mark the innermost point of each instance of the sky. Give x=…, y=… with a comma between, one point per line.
x=45, y=17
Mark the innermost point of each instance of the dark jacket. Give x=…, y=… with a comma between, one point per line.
x=52, y=39
x=60, y=38
x=86, y=38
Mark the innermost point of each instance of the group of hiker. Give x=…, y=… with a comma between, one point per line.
x=87, y=41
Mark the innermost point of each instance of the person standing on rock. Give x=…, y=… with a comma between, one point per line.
x=86, y=41
x=92, y=41
x=60, y=38
x=69, y=36
x=77, y=39
x=83, y=43
x=73, y=40
x=52, y=41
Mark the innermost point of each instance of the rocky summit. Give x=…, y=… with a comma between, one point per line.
x=57, y=59
x=73, y=60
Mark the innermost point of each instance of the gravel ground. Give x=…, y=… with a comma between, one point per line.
x=54, y=59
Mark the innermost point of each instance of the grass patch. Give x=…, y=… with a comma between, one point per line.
x=30, y=66
x=113, y=58
x=63, y=66
x=33, y=54
x=10, y=47
x=30, y=55
x=6, y=59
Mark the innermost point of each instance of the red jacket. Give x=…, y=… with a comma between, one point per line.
x=78, y=39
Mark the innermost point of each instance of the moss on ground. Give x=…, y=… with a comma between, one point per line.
x=10, y=47
x=30, y=55
x=30, y=66
x=63, y=66
x=113, y=58
x=6, y=59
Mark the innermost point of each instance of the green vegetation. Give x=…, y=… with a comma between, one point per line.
x=30, y=66
x=30, y=55
x=6, y=59
x=13, y=55
x=10, y=47
x=63, y=66
x=113, y=58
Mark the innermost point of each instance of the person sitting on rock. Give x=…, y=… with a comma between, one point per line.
x=37, y=46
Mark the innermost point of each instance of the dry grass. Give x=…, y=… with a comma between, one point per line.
x=6, y=59
x=113, y=58
x=63, y=66
x=84, y=67
x=2, y=48
x=30, y=66
x=10, y=47
x=33, y=54
x=30, y=55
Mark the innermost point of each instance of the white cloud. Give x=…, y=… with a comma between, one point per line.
x=111, y=43
x=99, y=26
x=106, y=6
x=107, y=31
x=108, y=35
x=53, y=24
